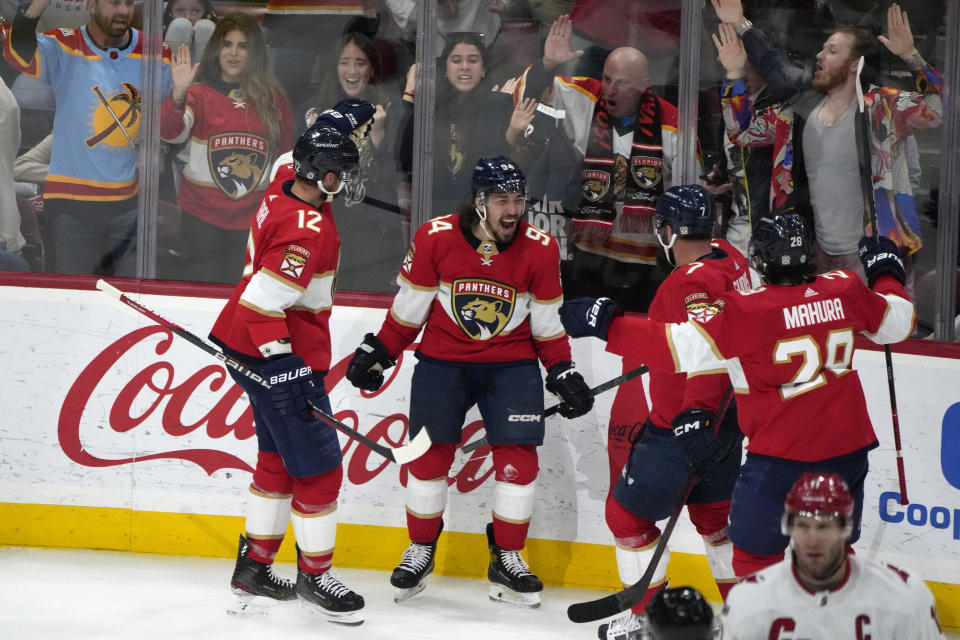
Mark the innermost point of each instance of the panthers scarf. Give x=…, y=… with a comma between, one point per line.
x=608, y=178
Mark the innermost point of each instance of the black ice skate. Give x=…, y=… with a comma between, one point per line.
x=410, y=576
x=255, y=584
x=324, y=593
x=510, y=577
x=627, y=627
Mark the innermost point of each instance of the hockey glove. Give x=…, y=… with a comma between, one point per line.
x=365, y=370
x=589, y=316
x=701, y=449
x=880, y=259
x=291, y=385
x=349, y=115
x=565, y=381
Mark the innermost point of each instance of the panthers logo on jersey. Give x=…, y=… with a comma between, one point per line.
x=648, y=172
x=595, y=184
x=703, y=312
x=482, y=307
x=237, y=162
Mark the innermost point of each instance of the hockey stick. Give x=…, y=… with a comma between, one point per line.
x=549, y=411
x=622, y=600
x=401, y=455
x=866, y=180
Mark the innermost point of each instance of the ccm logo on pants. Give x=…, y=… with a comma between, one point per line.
x=519, y=417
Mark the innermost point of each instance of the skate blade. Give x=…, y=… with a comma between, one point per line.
x=347, y=618
x=248, y=605
x=500, y=593
x=399, y=595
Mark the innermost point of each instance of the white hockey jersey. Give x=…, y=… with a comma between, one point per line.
x=879, y=602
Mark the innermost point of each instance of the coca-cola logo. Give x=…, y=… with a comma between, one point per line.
x=166, y=401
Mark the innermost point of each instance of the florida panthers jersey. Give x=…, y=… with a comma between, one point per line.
x=479, y=305
x=287, y=287
x=789, y=353
x=228, y=153
x=880, y=602
x=686, y=292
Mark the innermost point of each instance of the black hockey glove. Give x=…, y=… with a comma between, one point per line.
x=565, y=381
x=589, y=316
x=365, y=370
x=291, y=385
x=701, y=449
x=880, y=259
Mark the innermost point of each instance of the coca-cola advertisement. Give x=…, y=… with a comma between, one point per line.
x=115, y=410
x=104, y=408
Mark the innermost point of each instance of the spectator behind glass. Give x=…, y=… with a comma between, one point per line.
x=236, y=120
x=626, y=165
x=371, y=218
x=189, y=22
x=11, y=240
x=820, y=174
x=91, y=190
x=300, y=31
x=461, y=74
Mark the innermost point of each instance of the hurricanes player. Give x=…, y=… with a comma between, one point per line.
x=651, y=484
x=788, y=348
x=485, y=287
x=821, y=590
x=277, y=323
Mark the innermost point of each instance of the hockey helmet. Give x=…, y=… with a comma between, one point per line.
x=499, y=174
x=680, y=613
x=324, y=148
x=818, y=495
x=780, y=242
x=688, y=209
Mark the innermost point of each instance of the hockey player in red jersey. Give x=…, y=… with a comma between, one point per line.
x=277, y=323
x=821, y=590
x=651, y=484
x=788, y=349
x=485, y=287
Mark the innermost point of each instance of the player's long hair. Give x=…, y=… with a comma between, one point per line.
x=789, y=276
x=259, y=87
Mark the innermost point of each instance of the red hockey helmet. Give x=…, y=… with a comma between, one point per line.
x=819, y=495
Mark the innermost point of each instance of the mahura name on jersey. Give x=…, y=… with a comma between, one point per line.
x=482, y=307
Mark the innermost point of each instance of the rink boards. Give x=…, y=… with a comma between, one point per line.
x=117, y=435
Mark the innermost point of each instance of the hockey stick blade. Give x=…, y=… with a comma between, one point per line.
x=622, y=600
x=600, y=388
x=614, y=603
x=401, y=455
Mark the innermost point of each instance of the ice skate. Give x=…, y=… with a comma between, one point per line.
x=510, y=577
x=324, y=594
x=256, y=586
x=410, y=576
x=626, y=627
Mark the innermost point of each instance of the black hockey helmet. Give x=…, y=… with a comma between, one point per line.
x=688, y=209
x=679, y=614
x=499, y=174
x=780, y=243
x=323, y=148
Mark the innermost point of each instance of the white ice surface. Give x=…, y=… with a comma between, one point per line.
x=49, y=594
x=54, y=594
